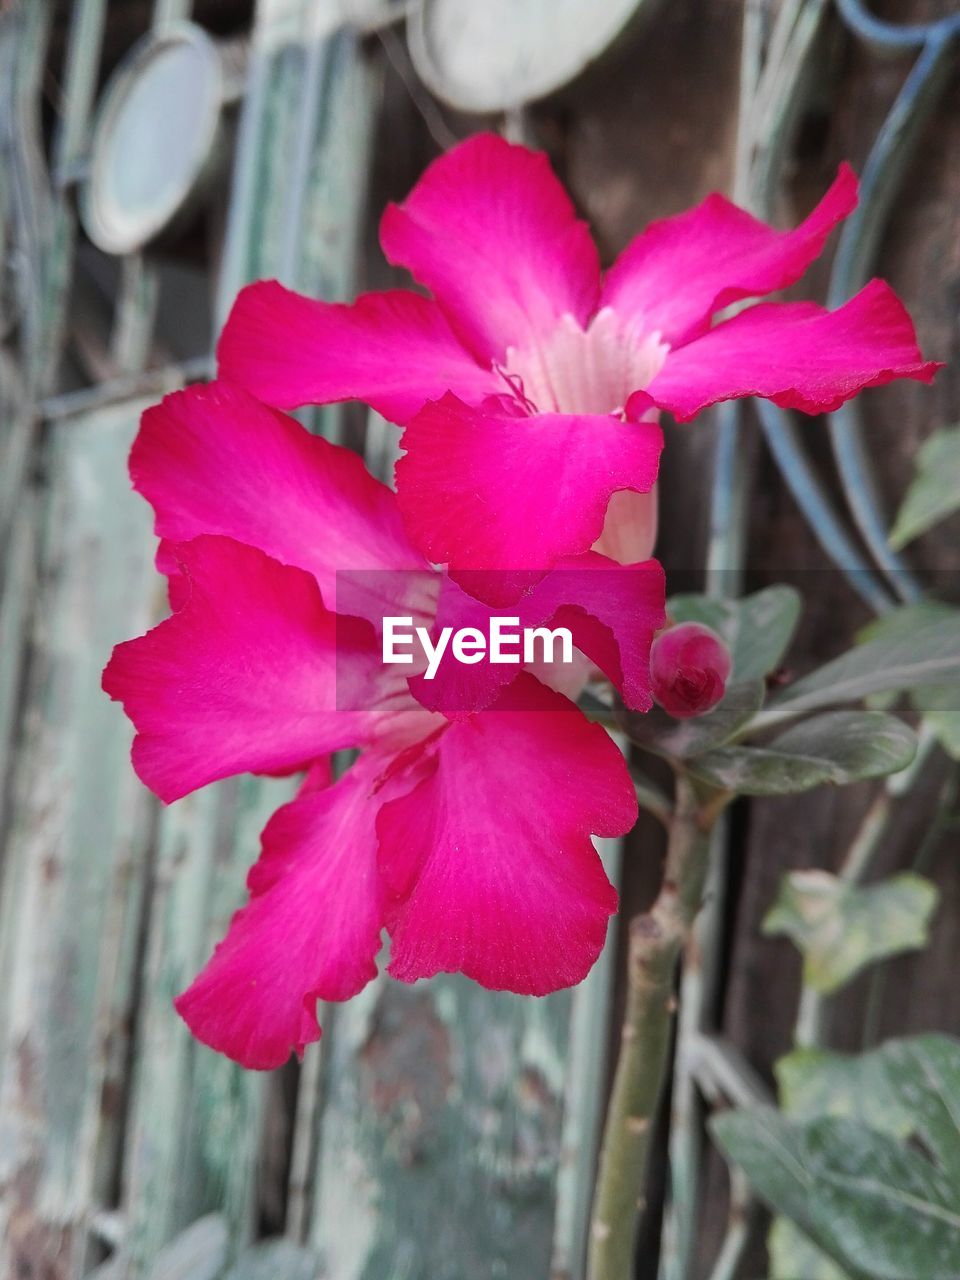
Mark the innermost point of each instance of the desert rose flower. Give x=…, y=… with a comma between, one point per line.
x=530, y=383
x=689, y=669
x=467, y=836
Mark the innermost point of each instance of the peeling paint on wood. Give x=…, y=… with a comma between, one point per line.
x=75, y=863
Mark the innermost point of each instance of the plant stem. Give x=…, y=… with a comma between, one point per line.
x=939, y=825
x=700, y=970
x=724, y=1075
x=656, y=940
x=737, y=1236
x=813, y=1009
x=652, y=799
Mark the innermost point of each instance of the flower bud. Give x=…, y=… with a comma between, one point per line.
x=689, y=667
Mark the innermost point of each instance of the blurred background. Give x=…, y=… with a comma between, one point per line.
x=153, y=158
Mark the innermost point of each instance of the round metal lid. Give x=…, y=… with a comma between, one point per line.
x=500, y=54
x=155, y=135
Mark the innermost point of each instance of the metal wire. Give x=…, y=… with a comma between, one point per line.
x=883, y=176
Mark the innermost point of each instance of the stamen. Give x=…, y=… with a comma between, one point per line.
x=515, y=383
x=592, y=370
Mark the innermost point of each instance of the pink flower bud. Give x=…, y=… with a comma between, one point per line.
x=689, y=667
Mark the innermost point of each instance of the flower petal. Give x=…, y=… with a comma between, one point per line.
x=481, y=490
x=612, y=612
x=488, y=863
x=681, y=270
x=311, y=930
x=630, y=528
x=796, y=354
x=245, y=676
x=212, y=459
x=492, y=234
x=392, y=350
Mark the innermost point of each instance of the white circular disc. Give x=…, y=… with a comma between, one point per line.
x=493, y=55
x=154, y=134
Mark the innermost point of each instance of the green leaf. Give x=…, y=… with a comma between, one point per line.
x=769, y=1149
x=903, y=1088
x=945, y=726
x=935, y=491
x=840, y=927
x=793, y=1256
x=927, y=654
x=855, y=1086
x=878, y=1208
x=903, y=623
x=924, y=1074
x=817, y=1082
x=757, y=629
x=880, y=1204
x=840, y=747
x=938, y=704
x=940, y=707
x=655, y=731
x=766, y=1146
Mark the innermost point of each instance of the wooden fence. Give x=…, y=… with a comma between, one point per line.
x=442, y=1132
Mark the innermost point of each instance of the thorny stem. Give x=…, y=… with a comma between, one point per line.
x=656, y=939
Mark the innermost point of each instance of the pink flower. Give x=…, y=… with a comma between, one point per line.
x=689, y=669
x=467, y=835
x=529, y=384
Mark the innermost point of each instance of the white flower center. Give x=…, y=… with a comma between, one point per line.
x=592, y=370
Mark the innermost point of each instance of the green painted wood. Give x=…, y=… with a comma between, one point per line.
x=75, y=864
x=194, y=1125
x=586, y=1063
x=380, y=1220
x=135, y=313
x=69, y=152
x=376, y=1213
x=440, y=1142
x=438, y=1095
x=194, y=1135
x=458, y=1131
x=24, y=30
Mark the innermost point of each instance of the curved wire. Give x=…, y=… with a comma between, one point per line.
x=882, y=179
x=892, y=37
x=783, y=441
x=774, y=94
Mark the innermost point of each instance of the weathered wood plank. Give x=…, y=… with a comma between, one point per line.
x=459, y=1129
x=75, y=863
x=195, y=1126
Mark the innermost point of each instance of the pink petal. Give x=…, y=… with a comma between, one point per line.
x=488, y=863
x=311, y=930
x=612, y=612
x=213, y=459
x=796, y=354
x=492, y=234
x=482, y=490
x=392, y=350
x=246, y=675
x=630, y=528
x=679, y=271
